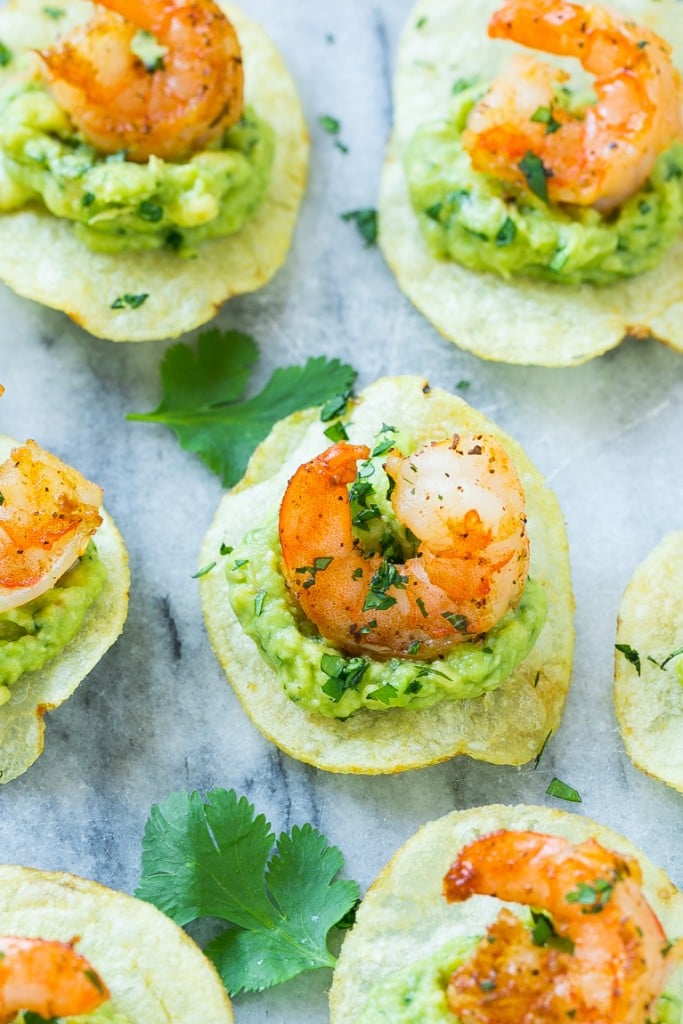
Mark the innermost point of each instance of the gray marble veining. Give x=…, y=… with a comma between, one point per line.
x=157, y=713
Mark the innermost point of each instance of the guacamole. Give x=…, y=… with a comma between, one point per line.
x=118, y=205
x=35, y=632
x=320, y=679
x=105, y=1014
x=416, y=993
x=487, y=224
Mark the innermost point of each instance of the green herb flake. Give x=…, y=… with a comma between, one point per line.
x=214, y=857
x=95, y=980
x=421, y=605
x=225, y=549
x=335, y=405
x=239, y=562
x=563, y=791
x=539, y=755
x=506, y=233
x=458, y=622
x=414, y=647
x=259, y=600
x=544, y=115
x=203, y=397
x=344, y=675
x=5, y=55
x=329, y=124
x=670, y=657
x=461, y=84
x=132, y=301
x=366, y=222
x=591, y=898
x=341, y=146
x=357, y=574
x=421, y=22
x=630, y=654
x=543, y=933
x=88, y=199
x=151, y=212
x=336, y=432
x=487, y=985
x=54, y=12
x=2, y=498
x=536, y=174
x=204, y=571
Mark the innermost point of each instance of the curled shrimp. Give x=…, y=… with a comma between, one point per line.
x=462, y=500
x=603, y=156
x=47, y=978
x=609, y=959
x=48, y=513
x=186, y=100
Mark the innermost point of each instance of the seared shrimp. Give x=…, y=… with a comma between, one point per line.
x=463, y=501
x=186, y=100
x=47, y=978
x=608, y=960
x=604, y=155
x=48, y=512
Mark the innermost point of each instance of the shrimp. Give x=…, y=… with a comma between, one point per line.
x=189, y=97
x=48, y=512
x=47, y=978
x=603, y=156
x=609, y=959
x=463, y=501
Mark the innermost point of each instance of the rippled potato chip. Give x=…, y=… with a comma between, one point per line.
x=41, y=259
x=404, y=917
x=153, y=970
x=518, y=320
x=22, y=726
x=504, y=726
x=648, y=678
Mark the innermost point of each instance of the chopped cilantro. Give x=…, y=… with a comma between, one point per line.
x=386, y=576
x=54, y=12
x=335, y=405
x=414, y=647
x=259, y=600
x=386, y=444
x=5, y=55
x=543, y=933
x=2, y=498
x=94, y=979
x=319, y=565
x=202, y=397
x=215, y=858
x=239, y=562
x=336, y=432
x=539, y=755
x=458, y=622
x=329, y=124
x=205, y=569
x=88, y=199
x=421, y=22
x=150, y=211
x=507, y=232
x=343, y=675
x=536, y=174
x=225, y=549
x=366, y=222
x=670, y=657
x=544, y=115
x=462, y=385
x=487, y=985
x=132, y=301
x=460, y=84
x=563, y=791
x=421, y=605
x=357, y=574
x=630, y=654
x=591, y=898
x=384, y=693
x=342, y=147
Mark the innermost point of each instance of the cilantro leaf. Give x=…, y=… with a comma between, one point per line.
x=203, y=404
x=215, y=858
x=366, y=222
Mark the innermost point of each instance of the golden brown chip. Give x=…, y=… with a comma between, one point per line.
x=41, y=259
x=404, y=917
x=153, y=970
x=505, y=726
x=520, y=320
x=648, y=694
x=22, y=725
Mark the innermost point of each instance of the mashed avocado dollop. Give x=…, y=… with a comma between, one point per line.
x=321, y=679
x=487, y=224
x=35, y=632
x=416, y=993
x=117, y=204
x=105, y=1014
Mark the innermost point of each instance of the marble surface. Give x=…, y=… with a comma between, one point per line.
x=157, y=713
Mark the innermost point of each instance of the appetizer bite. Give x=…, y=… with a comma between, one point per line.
x=73, y=950
x=63, y=592
x=398, y=596
x=545, y=204
x=152, y=160
x=508, y=914
x=648, y=673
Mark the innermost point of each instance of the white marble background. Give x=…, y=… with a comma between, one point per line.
x=157, y=713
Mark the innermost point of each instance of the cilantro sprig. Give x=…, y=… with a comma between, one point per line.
x=203, y=397
x=217, y=858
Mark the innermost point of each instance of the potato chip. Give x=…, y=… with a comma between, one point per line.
x=504, y=726
x=22, y=725
x=153, y=970
x=41, y=259
x=648, y=676
x=518, y=320
x=404, y=917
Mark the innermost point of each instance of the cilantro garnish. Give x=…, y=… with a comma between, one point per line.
x=536, y=174
x=421, y=22
x=2, y=499
x=215, y=858
x=329, y=124
x=259, y=600
x=630, y=654
x=544, y=115
x=205, y=569
x=203, y=399
x=543, y=933
x=343, y=674
x=386, y=576
x=149, y=211
x=539, y=755
x=563, y=791
x=29, y=1017
x=366, y=222
x=5, y=55
x=225, y=549
x=132, y=301
x=507, y=232
x=319, y=565
x=457, y=621
x=336, y=432
x=670, y=657
x=54, y=12
x=592, y=898
x=461, y=84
